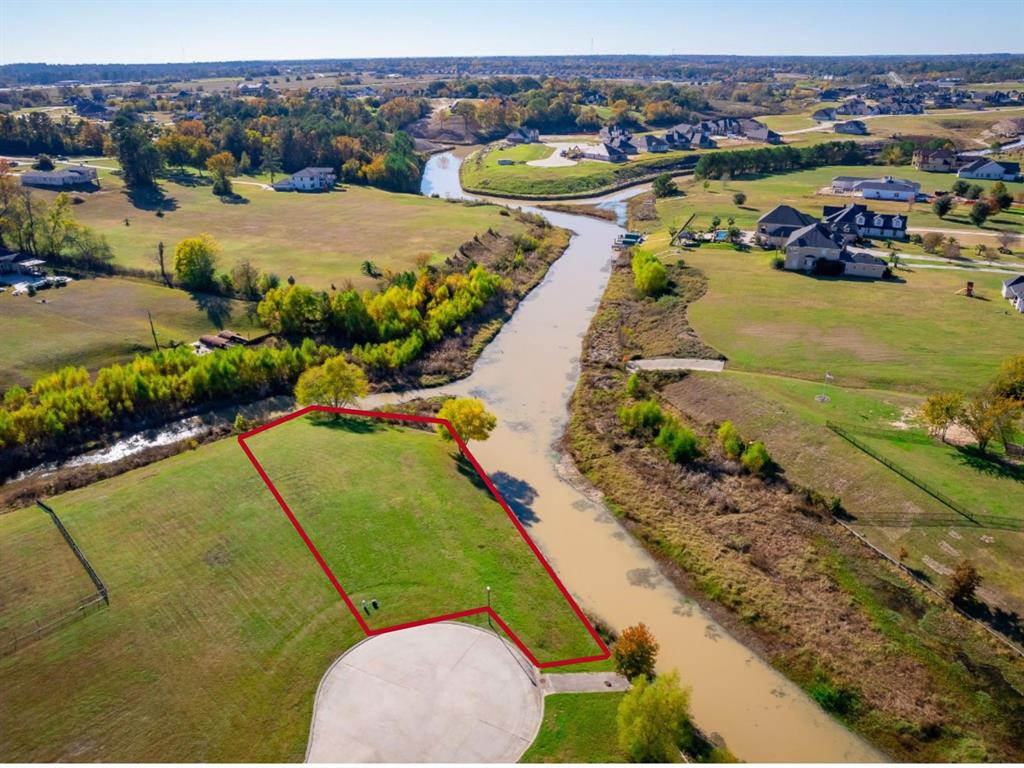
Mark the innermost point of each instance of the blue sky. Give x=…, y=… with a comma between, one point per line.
x=73, y=31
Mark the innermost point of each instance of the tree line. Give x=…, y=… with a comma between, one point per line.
x=37, y=133
x=731, y=163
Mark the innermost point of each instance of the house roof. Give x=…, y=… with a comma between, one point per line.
x=889, y=183
x=787, y=216
x=861, y=258
x=843, y=218
x=1018, y=280
x=981, y=162
x=816, y=235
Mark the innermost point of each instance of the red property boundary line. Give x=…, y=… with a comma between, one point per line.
x=605, y=653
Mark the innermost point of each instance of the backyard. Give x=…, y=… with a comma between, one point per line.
x=219, y=615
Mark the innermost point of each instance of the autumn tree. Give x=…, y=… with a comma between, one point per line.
x=468, y=417
x=1009, y=381
x=932, y=241
x=999, y=197
x=989, y=416
x=221, y=166
x=195, y=261
x=963, y=582
x=635, y=652
x=654, y=720
x=336, y=383
x=941, y=410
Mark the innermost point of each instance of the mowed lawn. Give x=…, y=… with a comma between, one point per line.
x=221, y=623
x=318, y=239
x=481, y=171
x=800, y=190
x=101, y=321
x=400, y=520
x=914, y=333
x=578, y=728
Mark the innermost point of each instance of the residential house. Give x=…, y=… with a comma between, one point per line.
x=623, y=144
x=650, y=143
x=993, y=170
x=855, y=222
x=780, y=222
x=885, y=188
x=72, y=176
x=611, y=132
x=935, y=160
x=825, y=115
x=523, y=135
x=852, y=127
x=18, y=264
x=308, y=180
x=755, y=131
x=603, y=151
x=816, y=249
x=1013, y=291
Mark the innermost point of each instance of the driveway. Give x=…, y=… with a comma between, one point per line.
x=441, y=693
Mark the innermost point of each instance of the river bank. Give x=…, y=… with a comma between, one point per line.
x=768, y=561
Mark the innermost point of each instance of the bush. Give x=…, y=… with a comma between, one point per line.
x=633, y=386
x=963, y=583
x=931, y=241
x=837, y=699
x=757, y=460
x=644, y=417
x=778, y=262
x=739, y=198
x=677, y=442
x=730, y=440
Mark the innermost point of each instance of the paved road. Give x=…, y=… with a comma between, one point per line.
x=440, y=693
x=675, y=364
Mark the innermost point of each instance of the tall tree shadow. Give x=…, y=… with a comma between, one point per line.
x=519, y=494
x=217, y=308
x=151, y=198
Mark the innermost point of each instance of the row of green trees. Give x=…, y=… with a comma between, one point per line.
x=391, y=326
x=716, y=165
x=37, y=132
x=70, y=405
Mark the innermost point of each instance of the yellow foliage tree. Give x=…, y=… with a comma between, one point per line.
x=468, y=417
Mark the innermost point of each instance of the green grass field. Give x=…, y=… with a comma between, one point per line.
x=800, y=190
x=221, y=623
x=914, y=333
x=481, y=172
x=578, y=728
x=318, y=239
x=101, y=321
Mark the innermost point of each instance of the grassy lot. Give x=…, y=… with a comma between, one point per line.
x=578, y=728
x=221, y=623
x=481, y=172
x=914, y=333
x=102, y=321
x=318, y=239
x=41, y=580
x=800, y=190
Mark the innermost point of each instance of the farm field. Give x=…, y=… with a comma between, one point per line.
x=481, y=171
x=914, y=333
x=318, y=239
x=101, y=321
x=578, y=728
x=800, y=190
x=220, y=615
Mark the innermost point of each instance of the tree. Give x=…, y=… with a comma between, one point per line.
x=195, y=262
x=468, y=417
x=649, y=275
x=271, y=162
x=979, y=213
x=729, y=437
x=133, y=144
x=974, y=192
x=1009, y=381
x=221, y=166
x=739, y=198
x=654, y=720
x=989, y=416
x=43, y=163
x=963, y=583
x=942, y=205
x=931, y=241
x=245, y=279
x=941, y=410
x=663, y=186
x=960, y=188
x=757, y=460
x=160, y=262
x=336, y=383
x=677, y=442
x=999, y=197
x=951, y=250
x=635, y=652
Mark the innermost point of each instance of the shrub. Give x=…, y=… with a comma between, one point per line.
x=644, y=417
x=931, y=241
x=730, y=440
x=739, y=198
x=677, y=442
x=633, y=386
x=778, y=262
x=635, y=652
x=757, y=460
x=837, y=699
x=963, y=583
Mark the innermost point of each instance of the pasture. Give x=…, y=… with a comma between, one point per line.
x=318, y=239
x=101, y=321
x=221, y=623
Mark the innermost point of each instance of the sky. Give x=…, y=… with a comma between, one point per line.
x=135, y=31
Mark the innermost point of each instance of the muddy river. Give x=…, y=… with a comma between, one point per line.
x=526, y=376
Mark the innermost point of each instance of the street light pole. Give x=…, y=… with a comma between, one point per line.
x=488, y=606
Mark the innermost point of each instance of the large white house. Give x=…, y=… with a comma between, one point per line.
x=885, y=188
x=73, y=176
x=308, y=180
x=992, y=170
x=1013, y=290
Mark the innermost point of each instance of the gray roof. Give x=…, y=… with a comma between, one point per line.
x=815, y=235
x=862, y=258
x=1018, y=280
x=786, y=215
